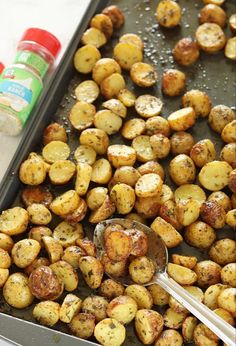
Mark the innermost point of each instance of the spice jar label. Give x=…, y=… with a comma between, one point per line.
x=19, y=90
x=33, y=60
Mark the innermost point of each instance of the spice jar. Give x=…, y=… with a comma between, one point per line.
x=21, y=83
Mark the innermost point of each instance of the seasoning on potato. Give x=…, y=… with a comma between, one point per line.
x=186, y=51
x=168, y=13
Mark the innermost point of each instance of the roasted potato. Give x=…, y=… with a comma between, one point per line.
x=182, y=275
x=199, y=234
x=148, y=325
x=228, y=154
x=85, y=154
x=82, y=115
x=72, y=255
x=213, y=214
x=87, y=245
x=143, y=149
x=212, y=13
x=148, y=106
x=78, y=214
x=95, y=138
x=127, y=175
x=61, y=171
x=111, y=289
x=204, y=336
x=92, y=270
x=66, y=273
x=173, y=82
x=199, y=100
x=106, y=209
x=222, y=199
x=182, y=169
x=228, y=133
x=103, y=68
x=5, y=259
x=38, y=262
x=25, y=252
x=87, y=91
x=121, y=155
x=85, y=58
x=115, y=106
x=117, y=17
x=156, y=125
x=6, y=242
x=102, y=22
x=53, y=247
x=54, y=151
x=94, y=36
x=114, y=268
x=95, y=197
x=186, y=51
x=167, y=232
x=110, y=86
x=33, y=170
x=82, y=325
x=168, y=212
x=169, y=337
x=173, y=319
x=166, y=194
x=226, y=299
x=141, y=270
x=232, y=181
x=220, y=116
x=133, y=128
x=95, y=305
x=127, y=97
x=214, y=175
x=143, y=74
x=122, y=308
x=210, y=37
x=127, y=54
x=54, y=132
x=231, y=218
x=187, y=211
x=148, y=207
x=70, y=307
x=185, y=261
x=223, y=251
x=181, y=143
x=148, y=185
x=123, y=197
x=190, y=191
x=36, y=194
x=16, y=291
x=232, y=22
x=160, y=145
x=101, y=172
x=4, y=274
x=38, y=232
x=159, y=295
x=65, y=203
x=168, y=13
x=132, y=38
x=211, y=295
x=39, y=214
x=139, y=242
x=230, y=48
x=141, y=295
x=47, y=313
x=225, y=315
x=182, y=119
x=208, y=273
x=152, y=167
x=118, y=245
x=228, y=274
x=110, y=332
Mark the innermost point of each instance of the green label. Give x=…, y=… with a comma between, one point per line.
x=33, y=60
x=19, y=90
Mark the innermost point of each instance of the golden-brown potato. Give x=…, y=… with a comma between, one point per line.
x=182, y=169
x=160, y=145
x=116, y=106
x=6, y=242
x=232, y=22
x=168, y=212
x=92, y=270
x=232, y=181
x=212, y=14
x=181, y=143
x=199, y=234
x=167, y=232
x=47, y=313
x=173, y=82
x=208, y=273
x=94, y=36
x=225, y=315
x=121, y=155
x=38, y=232
x=141, y=270
x=101, y=172
x=230, y=48
x=141, y=295
x=182, y=119
x=159, y=295
x=213, y=214
x=148, y=185
x=103, y=68
x=133, y=128
x=223, y=251
x=126, y=97
x=127, y=54
x=110, y=332
x=111, y=289
x=214, y=2
x=33, y=170
x=126, y=175
x=148, y=106
x=148, y=325
x=176, y=306
x=114, y=268
x=25, y=251
x=139, y=242
x=228, y=276
x=61, y=171
x=40, y=261
x=53, y=247
x=95, y=197
x=214, y=175
x=102, y=22
x=187, y=211
x=190, y=191
x=231, y=218
x=211, y=295
x=107, y=121
x=174, y=319
x=132, y=38
x=95, y=305
x=228, y=154
x=54, y=151
x=85, y=58
x=78, y=214
x=85, y=154
x=166, y=194
x=82, y=115
x=4, y=274
x=186, y=51
x=226, y=299
x=72, y=255
x=69, y=308
x=199, y=100
x=82, y=325
x=116, y=15
x=221, y=198
x=169, y=337
x=210, y=37
x=168, y=13
x=16, y=291
x=143, y=74
x=152, y=167
x=39, y=214
x=87, y=91
x=156, y=125
x=118, y=245
x=96, y=138
x=122, y=308
x=220, y=116
x=5, y=259
x=182, y=275
x=44, y=284
x=106, y=209
x=54, y=132
x=14, y=221
x=87, y=245
x=110, y=86
x=228, y=133
x=148, y=207
x=66, y=273
x=123, y=197
x=185, y=261
x=65, y=203
x=143, y=148
x=204, y=336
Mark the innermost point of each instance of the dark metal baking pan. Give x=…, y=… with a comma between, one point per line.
x=211, y=73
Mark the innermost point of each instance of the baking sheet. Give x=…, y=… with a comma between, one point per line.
x=211, y=73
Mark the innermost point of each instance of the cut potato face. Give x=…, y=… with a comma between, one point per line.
x=53, y=247
x=116, y=106
x=211, y=295
x=95, y=138
x=103, y=68
x=94, y=36
x=82, y=115
x=96, y=197
x=118, y=245
x=61, y=171
x=127, y=54
x=148, y=325
x=66, y=234
x=107, y=121
x=132, y=38
x=110, y=332
x=39, y=214
x=144, y=75
x=123, y=197
x=210, y=37
x=103, y=23
x=122, y=308
x=155, y=125
x=121, y=155
x=133, y=128
x=126, y=97
x=92, y=271
x=65, y=203
x=70, y=307
x=143, y=148
x=166, y=338
x=173, y=82
x=83, y=177
x=182, y=275
x=127, y=175
x=66, y=273
x=101, y=171
x=168, y=13
x=190, y=191
x=203, y=152
x=56, y=150
x=148, y=185
x=187, y=211
x=85, y=154
x=182, y=119
x=182, y=170
x=167, y=232
x=14, y=221
x=174, y=319
x=87, y=91
x=141, y=295
x=141, y=270
x=111, y=85
x=85, y=58
x=214, y=175
x=188, y=327
x=185, y=261
x=148, y=106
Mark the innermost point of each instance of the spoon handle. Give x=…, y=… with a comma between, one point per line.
x=215, y=323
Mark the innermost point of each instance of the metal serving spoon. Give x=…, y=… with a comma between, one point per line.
x=157, y=251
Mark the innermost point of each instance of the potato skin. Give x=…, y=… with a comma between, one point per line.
x=110, y=332
x=199, y=100
x=223, y=251
x=213, y=214
x=123, y=309
x=47, y=313
x=226, y=299
x=212, y=14
x=54, y=132
x=92, y=270
x=232, y=181
x=210, y=37
x=173, y=82
x=141, y=270
x=82, y=325
x=227, y=154
x=159, y=295
x=182, y=169
x=181, y=143
x=111, y=289
x=148, y=325
x=141, y=295
x=208, y=273
x=186, y=51
x=169, y=337
x=220, y=116
x=167, y=232
x=96, y=306
x=168, y=13
x=25, y=251
x=199, y=234
x=228, y=274
x=36, y=194
x=116, y=15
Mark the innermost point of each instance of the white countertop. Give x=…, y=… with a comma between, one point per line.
x=60, y=17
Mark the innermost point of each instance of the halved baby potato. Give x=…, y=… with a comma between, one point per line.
x=143, y=74
x=95, y=138
x=107, y=121
x=85, y=154
x=124, y=197
x=94, y=37
x=56, y=150
x=127, y=54
x=61, y=171
x=110, y=86
x=148, y=106
x=66, y=234
x=148, y=185
x=133, y=128
x=85, y=58
x=14, y=221
x=103, y=68
x=210, y=37
x=67, y=274
x=121, y=155
x=182, y=119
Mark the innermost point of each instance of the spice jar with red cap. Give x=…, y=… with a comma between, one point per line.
x=1, y=67
x=22, y=83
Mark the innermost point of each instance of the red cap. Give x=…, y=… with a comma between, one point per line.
x=1, y=67
x=44, y=38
